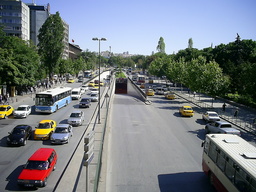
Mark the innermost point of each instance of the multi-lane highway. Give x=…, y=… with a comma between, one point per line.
x=13, y=158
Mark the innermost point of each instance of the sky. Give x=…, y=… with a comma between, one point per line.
x=135, y=26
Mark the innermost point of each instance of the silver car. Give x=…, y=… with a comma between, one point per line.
x=210, y=116
x=221, y=127
x=62, y=134
x=76, y=118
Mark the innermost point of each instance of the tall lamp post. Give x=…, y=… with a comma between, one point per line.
x=99, y=39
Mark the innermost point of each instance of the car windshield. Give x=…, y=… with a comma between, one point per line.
x=75, y=115
x=85, y=100
x=226, y=126
x=18, y=131
x=61, y=130
x=2, y=109
x=94, y=95
x=40, y=165
x=21, y=109
x=44, y=125
x=187, y=108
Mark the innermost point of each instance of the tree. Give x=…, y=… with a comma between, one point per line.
x=51, y=45
x=190, y=43
x=19, y=62
x=161, y=45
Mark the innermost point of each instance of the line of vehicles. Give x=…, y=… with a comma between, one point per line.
x=40, y=165
x=228, y=160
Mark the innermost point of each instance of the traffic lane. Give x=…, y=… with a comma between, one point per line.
x=148, y=145
x=17, y=156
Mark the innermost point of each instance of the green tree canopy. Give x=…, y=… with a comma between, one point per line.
x=51, y=45
x=161, y=45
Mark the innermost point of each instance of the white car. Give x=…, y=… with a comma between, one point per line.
x=210, y=116
x=94, y=97
x=22, y=111
x=94, y=91
x=84, y=88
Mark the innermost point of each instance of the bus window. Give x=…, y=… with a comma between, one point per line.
x=241, y=181
x=213, y=151
x=230, y=170
x=221, y=162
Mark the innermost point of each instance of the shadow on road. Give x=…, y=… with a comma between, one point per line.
x=184, y=182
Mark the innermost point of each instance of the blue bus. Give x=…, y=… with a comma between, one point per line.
x=51, y=100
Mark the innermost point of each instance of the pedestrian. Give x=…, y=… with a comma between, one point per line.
x=236, y=113
x=224, y=107
x=194, y=93
x=1, y=98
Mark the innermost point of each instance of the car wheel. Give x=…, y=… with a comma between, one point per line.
x=5, y=117
x=207, y=130
x=24, y=142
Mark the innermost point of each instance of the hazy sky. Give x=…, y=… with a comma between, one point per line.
x=136, y=25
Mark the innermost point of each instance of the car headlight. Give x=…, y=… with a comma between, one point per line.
x=21, y=139
x=38, y=181
x=65, y=138
x=8, y=139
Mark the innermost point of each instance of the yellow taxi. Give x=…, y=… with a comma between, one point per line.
x=5, y=111
x=45, y=129
x=71, y=80
x=186, y=111
x=91, y=84
x=150, y=92
x=170, y=95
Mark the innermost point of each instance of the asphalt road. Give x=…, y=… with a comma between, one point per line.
x=13, y=159
x=152, y=148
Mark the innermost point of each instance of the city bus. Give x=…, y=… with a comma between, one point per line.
x=141, y=79
x=230, y=163
x=51, y=100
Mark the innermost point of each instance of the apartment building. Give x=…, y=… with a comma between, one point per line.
x=15, y=18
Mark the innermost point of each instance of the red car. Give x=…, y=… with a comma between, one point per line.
x=38, y=168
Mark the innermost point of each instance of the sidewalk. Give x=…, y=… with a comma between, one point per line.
x=245, y=118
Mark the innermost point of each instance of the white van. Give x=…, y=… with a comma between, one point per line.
x=76, y=93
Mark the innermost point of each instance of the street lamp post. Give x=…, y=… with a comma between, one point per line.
x=99, y=39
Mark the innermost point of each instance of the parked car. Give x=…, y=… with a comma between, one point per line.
x=44, y=129
x=5, y=111
x=210, y=116
x=38, y=168
x=150, y=92
x=76, y=118
x=22, y=111
x=186, y=111
x=19, y=135
x=94, y=97
x=62, y=134
x=221, y=127
x=85, y=102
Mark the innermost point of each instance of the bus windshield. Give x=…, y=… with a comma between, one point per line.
x=44, y=100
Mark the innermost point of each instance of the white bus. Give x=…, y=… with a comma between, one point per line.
x=51, y=100
x=230, y=163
